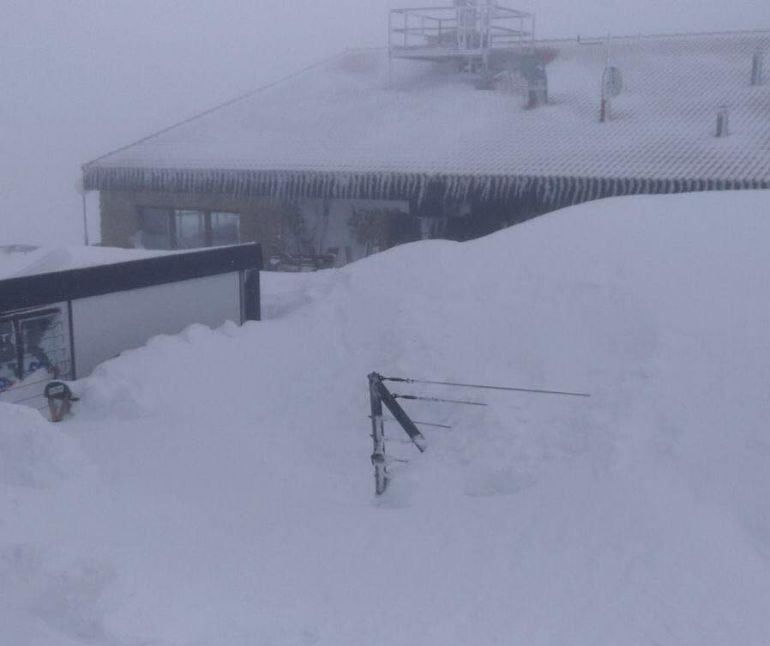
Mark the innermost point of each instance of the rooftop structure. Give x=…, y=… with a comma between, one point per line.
x=474, y=33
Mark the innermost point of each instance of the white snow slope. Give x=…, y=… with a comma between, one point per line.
x=214, y=488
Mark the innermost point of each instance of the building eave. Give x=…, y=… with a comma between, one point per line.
x=298, y=184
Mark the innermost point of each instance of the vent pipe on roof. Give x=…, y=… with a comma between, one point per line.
x=723, y=122
x=537, y=93
x=604, y=110
x=612, y=86
x=532, y=68
x=757, y=67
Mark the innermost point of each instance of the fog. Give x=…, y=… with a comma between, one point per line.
x=81, y=77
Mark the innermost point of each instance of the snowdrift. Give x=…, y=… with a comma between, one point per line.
x=222, y=492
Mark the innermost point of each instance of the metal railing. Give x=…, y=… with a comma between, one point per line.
x=458, y=30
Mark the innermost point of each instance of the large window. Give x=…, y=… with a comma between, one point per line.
x=225, y=228
x=187, y=229
x=155, y=229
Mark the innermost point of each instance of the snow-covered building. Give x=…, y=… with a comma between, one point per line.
x=369, y=149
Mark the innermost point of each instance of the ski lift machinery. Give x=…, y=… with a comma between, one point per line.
x=477, y=35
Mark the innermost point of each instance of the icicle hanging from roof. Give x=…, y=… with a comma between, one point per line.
x=283, y=184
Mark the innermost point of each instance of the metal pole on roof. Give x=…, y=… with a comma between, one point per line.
x=81, y=189
x=604, y=109
x=85, y=220
x=390, y=50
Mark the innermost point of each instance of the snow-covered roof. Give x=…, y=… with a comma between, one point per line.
x=354, y=120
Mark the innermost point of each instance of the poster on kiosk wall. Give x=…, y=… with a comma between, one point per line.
x=34, y=348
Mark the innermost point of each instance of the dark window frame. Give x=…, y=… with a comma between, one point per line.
x=172, y=213
x=20, y=341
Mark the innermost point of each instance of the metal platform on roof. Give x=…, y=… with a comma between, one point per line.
x=467, y=31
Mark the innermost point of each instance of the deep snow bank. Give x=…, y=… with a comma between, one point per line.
x=230, y=495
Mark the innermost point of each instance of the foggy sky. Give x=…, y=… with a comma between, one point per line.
x=81, y=77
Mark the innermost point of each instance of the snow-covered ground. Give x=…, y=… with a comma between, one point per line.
x=214, y=488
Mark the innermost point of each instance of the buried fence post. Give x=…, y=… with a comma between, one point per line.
x=378, y=438
x=379, y=395
x=387, y=398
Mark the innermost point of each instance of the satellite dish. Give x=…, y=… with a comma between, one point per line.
x=612, y=82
